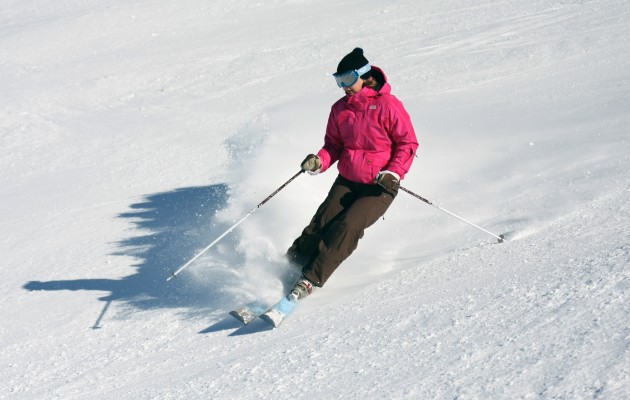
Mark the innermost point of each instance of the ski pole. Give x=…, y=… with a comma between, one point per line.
x=230, y=229
x=500, y=237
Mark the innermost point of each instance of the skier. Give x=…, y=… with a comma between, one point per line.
x=371, y=136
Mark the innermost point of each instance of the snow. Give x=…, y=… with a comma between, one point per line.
x=133, y=133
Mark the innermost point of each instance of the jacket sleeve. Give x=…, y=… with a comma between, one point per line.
x=333, y=145
x=404, y=139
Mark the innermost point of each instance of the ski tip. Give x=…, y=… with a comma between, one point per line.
x=238, y=316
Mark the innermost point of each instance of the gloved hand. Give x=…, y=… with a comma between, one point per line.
x=312, y=164
x=389, y=180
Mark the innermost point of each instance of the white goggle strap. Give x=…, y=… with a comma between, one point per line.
x=364, y=69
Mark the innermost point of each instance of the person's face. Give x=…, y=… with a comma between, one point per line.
x=354, y=89
x=372, y=83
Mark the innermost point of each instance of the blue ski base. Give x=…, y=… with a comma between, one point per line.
x=276, y=314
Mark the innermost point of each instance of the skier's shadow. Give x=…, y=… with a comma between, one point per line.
x=174, y=226
x=229, y=323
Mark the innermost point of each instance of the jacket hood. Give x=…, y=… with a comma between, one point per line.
x=379, y=75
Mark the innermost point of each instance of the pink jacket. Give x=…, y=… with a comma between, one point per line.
x=367, y=133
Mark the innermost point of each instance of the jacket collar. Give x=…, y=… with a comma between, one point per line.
x=367, y=92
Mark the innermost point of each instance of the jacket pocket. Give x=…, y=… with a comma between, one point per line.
x=375, y=162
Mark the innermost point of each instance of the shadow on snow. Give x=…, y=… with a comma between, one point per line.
x=174, y=226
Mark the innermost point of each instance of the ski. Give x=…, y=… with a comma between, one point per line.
x=250, y=311
x=278, y=312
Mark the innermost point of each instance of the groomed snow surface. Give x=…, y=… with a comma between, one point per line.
x=133, y=133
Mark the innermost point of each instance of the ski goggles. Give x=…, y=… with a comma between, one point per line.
x=347, y=79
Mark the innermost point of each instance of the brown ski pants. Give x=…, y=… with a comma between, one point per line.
x=335, y=230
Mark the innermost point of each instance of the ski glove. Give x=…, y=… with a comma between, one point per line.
x=389, y=180
x=312, y=164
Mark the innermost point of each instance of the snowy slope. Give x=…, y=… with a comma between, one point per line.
x=134, y=133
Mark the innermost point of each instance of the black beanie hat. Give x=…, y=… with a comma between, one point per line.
x=352, y=61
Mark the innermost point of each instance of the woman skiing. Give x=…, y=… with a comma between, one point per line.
x=370, y=135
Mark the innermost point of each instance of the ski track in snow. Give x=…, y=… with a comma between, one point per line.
x=135, y=133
